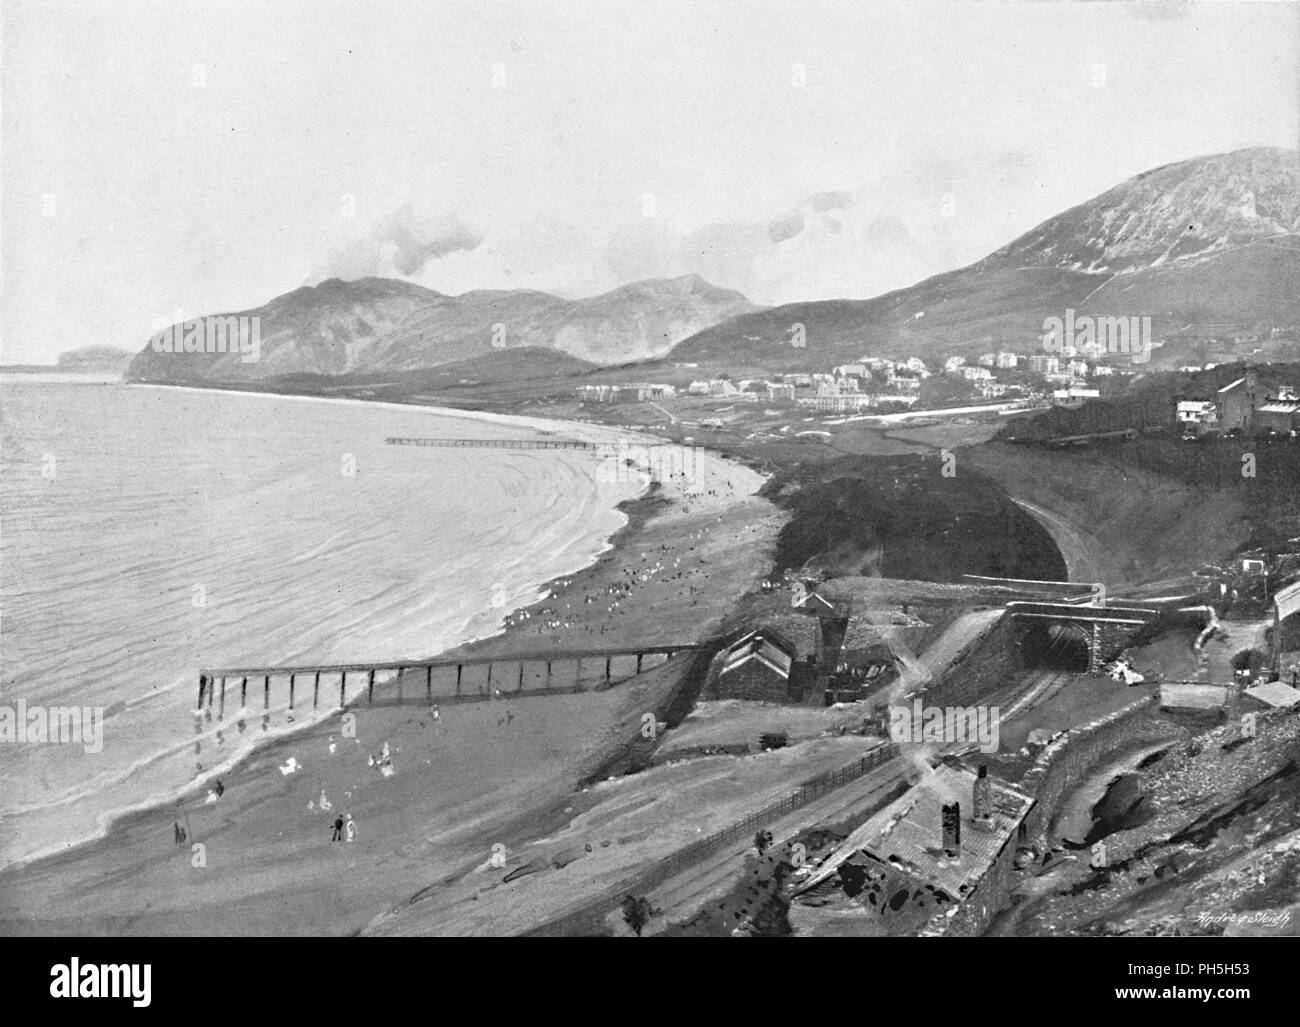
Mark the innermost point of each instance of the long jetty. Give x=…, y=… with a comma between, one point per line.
x=408, y=440
x=543, y=673
x=415, y=440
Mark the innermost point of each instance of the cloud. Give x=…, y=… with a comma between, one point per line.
x=402, y=245
x=786, y=227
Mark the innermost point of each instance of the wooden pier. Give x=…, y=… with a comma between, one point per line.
x=544, y=673
x=516, y=443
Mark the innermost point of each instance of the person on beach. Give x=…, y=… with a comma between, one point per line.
x=338, y=830
x=352, y=828
x=179, y=832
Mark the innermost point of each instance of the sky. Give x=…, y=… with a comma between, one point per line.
x=162, y=156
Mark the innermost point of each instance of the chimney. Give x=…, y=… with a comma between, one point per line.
x=983, y=800
x=952, y=829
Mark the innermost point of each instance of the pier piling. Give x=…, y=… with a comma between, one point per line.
x=499, y=676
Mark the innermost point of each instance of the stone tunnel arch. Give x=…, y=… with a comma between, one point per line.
x=1052, y=645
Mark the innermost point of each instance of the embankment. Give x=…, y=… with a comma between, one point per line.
x=1114, y=523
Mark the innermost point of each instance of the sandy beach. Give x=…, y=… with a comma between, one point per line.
x=465, y=786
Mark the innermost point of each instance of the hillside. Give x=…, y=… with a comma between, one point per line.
x=95, y=359
x=900, y=517
x=1205, y=246
x=381, y=325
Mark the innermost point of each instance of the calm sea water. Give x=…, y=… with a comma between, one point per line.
x=145, y=532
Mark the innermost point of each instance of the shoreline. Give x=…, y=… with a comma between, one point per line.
x=528, y=596
x=652, y=518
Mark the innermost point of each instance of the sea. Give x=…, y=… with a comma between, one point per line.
x=149, y=531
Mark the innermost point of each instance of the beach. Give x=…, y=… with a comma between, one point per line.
x=461, y=786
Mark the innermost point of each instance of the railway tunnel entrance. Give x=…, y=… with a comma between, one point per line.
x=1044, y=645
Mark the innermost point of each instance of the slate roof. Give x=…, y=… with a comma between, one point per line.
x=907, y=834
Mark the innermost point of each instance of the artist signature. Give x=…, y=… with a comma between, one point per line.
x=1269, y=917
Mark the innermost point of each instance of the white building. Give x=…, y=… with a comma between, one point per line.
x=1073, y=397
x=1197, y=411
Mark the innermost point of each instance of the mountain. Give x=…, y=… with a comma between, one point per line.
x=382, y=325
x=96, y=359
x=1202, y=246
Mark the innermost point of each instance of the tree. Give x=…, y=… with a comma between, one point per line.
x=637, y=913
x=762, y=840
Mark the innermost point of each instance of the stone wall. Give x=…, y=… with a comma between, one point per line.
x=984, y=666
x=973, y=914
x=1068, y=759
x=1060, y=767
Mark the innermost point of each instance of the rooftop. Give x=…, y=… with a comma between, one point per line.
x=907, y=834
x=1275, y=693
x=764, y=646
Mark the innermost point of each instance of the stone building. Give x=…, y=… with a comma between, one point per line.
x=947, y=844
x=1237, y=401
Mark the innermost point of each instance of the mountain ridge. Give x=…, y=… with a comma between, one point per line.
x=374, y=324
x=1232, y=267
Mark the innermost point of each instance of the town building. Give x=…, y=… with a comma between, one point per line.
x=773, y=663
x=1280, y=415
x=946, y=846
x=640, y=392
x=1237, y=402
x=858, y=371
x=1197, y=415
x=597, y=393
x=1007, y=360
x=886, y=398
x=1074, y=396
